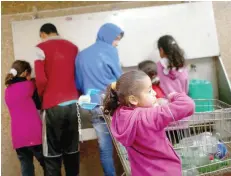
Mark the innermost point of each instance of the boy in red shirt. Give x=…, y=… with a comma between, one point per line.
x=55, y=80
x=149, y=67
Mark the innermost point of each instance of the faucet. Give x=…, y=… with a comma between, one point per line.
x=193, y=67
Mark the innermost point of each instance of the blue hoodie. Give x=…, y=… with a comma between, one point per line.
x=98, y=65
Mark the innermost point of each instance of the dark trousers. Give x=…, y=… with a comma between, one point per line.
x=61, y=140
x=26, y=155
x=70, y=161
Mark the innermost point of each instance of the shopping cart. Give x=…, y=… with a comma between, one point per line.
x=203, y=144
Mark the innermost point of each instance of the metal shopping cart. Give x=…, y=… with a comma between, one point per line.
x=203, y=141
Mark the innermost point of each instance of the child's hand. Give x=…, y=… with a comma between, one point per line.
x=156, y=81
x=171, y=95
x=162, y=101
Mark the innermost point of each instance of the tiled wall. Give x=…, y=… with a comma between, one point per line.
x=10, y=165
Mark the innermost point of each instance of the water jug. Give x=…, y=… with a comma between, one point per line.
x=201, y=89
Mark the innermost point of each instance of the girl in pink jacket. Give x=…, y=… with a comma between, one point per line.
x=139, y=126
x=171, y=68
x=26, y=125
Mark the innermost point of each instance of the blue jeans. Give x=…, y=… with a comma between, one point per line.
x=105, y=142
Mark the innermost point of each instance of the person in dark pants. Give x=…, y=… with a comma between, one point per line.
x=62, y=139
x=26, y=156
x=26, y=125
x=55, y=80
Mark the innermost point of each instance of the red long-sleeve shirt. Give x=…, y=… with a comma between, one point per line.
x=55, y=71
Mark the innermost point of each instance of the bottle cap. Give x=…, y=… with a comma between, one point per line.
x=211, y=157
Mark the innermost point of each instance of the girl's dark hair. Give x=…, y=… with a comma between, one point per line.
x=148, y=67
x=20, y=66
x=172, y=50
x=130, y=83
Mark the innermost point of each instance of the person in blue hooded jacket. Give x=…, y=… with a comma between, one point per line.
x=97, y=67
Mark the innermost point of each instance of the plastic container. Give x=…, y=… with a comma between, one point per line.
x=190, y=172
x=201, y=89
x=85, y=100
x=195, y=156
x=203, y=151
x=197, y=150
x=93, y=92
x=205, y=141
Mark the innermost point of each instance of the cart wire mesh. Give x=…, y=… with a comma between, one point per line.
x=203, y=140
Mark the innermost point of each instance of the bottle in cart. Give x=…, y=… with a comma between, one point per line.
x=222, y=151
x=190, y=172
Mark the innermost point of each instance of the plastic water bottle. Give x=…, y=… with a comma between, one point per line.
x=191, y=172
x=221, y=151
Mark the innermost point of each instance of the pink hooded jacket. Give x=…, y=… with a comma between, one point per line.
x=172, y=80
x=26, y=125
x=142, y=132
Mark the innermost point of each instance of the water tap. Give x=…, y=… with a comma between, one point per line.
x=193, y=67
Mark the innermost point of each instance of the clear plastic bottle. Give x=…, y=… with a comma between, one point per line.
x=197, y=149
x=191, y=172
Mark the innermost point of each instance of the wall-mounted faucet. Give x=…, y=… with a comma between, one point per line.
x=193, y=67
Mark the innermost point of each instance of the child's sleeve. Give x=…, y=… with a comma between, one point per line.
x=180, y=106
x=39, y=64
